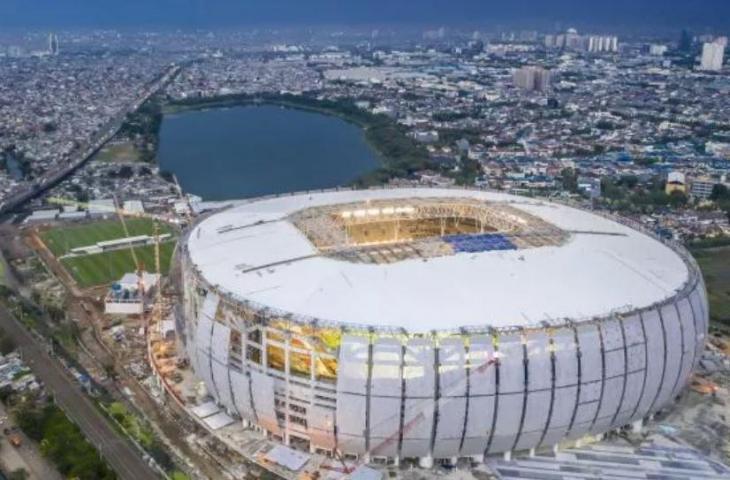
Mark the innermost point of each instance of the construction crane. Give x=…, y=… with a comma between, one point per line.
x=121, y=213
x=138, y=265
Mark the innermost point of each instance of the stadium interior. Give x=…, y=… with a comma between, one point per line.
x=395, y=230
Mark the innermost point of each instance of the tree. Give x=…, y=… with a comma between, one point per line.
x=720, y=192
x=569, y=179
x=18, y=474
x=677, y=199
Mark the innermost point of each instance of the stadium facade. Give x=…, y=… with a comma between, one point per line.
x=436, y=323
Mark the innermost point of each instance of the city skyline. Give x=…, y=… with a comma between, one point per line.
x=225, y=13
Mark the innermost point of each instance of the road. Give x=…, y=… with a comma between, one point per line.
x=53, y=177
x=118, y=452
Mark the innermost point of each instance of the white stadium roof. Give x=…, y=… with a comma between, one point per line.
x=590, y=275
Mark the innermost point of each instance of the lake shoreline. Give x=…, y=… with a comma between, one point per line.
x=237, y=151
x=398, y=154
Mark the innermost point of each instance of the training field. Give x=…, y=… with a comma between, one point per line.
x=715, y=265
x=107, y=267
x=62, y=239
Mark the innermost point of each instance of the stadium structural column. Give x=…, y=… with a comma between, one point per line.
x=551, y=346
x=599, y=328
x=287, y=386
x=401, y=421
x=467, y=375
x=579, y=374
x=497, y=363
x=312, y=388
x=210, y=358
x=681, y=349
x=368, y=393
x=526, y=387
x=427, y=462
x=247, y=370
x=232, y=390
x=698, y=334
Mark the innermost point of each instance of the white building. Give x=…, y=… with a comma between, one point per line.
x=713, y=54
x=602, y=43
x=532, y=78
x=429, y=324
x=129, y=295
x=657, y=50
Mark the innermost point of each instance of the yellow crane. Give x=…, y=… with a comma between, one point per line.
x=121, y=213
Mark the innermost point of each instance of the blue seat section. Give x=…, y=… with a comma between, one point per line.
x=483, y=242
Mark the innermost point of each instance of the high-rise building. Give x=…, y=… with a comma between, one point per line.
x=571, y=40
x=53, y=47
x=532, y=78
x=657, y=50
x=713, y=54
x=602, y=43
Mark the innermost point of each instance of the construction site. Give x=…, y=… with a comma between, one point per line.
x=433, y=375
x=373, y=325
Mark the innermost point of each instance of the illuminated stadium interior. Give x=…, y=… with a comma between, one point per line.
x=394, y=230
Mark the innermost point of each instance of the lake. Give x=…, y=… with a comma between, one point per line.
x=250, y=151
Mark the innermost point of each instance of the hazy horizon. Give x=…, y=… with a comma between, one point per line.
x=698, y=14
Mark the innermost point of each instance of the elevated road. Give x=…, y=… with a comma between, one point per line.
x=121, y=455
x=53, y=177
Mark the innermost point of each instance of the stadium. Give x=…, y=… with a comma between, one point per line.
x=426, y=324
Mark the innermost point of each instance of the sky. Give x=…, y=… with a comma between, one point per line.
x=232, y=13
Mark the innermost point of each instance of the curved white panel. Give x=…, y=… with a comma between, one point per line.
x=203, y=334
x=419, y=401
x=539, y=385
x=591, y=367
x=482, y=386
x=321, y=426
x=385, y=397
x=452, y=401
x=263, y=400
x=687, y=323
x=352, y=378
x=566, y=381
x=674, y=354
x=615, y=374
x=511, y=396
x=700, y=313
x=655, y=367
x=219, y=347
x=636, y=368
x=242, y=395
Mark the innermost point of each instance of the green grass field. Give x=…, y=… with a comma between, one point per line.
x=107, y=267
x=118, y=152
x=61, y=240
x=715, y=265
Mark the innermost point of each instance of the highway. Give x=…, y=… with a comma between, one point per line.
x=51, y=178
x=121, y=455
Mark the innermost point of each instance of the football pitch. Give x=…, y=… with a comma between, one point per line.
x=107, y=267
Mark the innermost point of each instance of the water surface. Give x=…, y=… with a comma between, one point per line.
x=256, y=150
